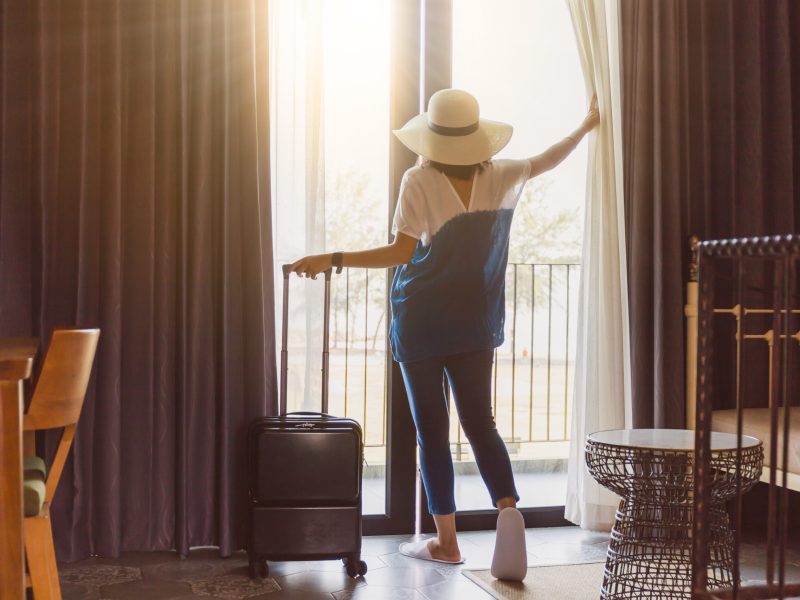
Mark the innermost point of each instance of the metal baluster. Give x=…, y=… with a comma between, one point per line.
x=346, y=331
x=566, y=359
x=549, y=340
x=533, y=313
x=514, y=356
x=366, y=338
x=494, y=401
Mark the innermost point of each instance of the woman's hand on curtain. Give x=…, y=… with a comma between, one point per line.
x=592, y=118
x=556, y=153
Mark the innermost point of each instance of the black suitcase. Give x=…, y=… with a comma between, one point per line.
x=305, y=477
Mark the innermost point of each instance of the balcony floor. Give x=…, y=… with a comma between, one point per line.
x=535, y=489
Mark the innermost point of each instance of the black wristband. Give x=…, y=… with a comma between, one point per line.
x=336, y=261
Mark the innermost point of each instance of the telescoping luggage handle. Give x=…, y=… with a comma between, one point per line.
x=285, y=341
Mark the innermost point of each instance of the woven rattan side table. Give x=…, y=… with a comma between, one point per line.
x=650, y=554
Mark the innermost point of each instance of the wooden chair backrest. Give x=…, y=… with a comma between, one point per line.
x=60, y=390
x=58, y=397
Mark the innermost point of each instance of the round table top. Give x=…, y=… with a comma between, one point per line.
x=667, y=439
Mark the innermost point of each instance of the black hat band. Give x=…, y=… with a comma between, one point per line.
x=453, y=131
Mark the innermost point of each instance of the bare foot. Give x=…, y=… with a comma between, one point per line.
x=439, y=552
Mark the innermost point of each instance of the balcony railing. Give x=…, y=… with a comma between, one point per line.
x=532, y=377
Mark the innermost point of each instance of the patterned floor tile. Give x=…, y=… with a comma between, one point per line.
x=233, y=587
x=97, y=575
x=380, y=593
x=455, y=589
x=320, y=581
x=407, y=577
x=153, y=589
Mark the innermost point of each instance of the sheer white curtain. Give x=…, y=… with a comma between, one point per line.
x=298, y=179
x=602, y=379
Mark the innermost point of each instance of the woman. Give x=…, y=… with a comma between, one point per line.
x=451, y=231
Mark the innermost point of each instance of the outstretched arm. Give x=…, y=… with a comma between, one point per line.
x=397, y=253
x=559, y=151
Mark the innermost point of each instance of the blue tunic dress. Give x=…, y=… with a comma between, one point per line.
x=450, y=297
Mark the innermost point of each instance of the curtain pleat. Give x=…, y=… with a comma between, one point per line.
x=135, y=197
x=602, y=365
x=710, y=97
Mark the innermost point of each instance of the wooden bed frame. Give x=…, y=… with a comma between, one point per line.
x=691, y=311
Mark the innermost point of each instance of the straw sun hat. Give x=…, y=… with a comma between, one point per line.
x=452, y=132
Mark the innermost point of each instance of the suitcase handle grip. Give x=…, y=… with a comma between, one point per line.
x=309, y=413
x=282, y=401
x=286, y=272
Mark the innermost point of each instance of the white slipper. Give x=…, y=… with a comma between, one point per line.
x=510, y=559
x=419, y=549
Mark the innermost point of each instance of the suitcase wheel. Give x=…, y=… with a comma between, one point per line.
x=355, y=566
x=258, y=568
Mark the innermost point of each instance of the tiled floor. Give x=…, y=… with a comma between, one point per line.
x=391, y=576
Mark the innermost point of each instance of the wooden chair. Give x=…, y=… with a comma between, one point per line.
x=56, y=402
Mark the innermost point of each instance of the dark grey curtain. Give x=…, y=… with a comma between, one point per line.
x=711, y=129
x=134, y=196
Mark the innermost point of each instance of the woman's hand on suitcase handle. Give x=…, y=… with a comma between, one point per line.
x=397, y=253
x=311, y=266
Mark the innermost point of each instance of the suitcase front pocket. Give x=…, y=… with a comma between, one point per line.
x=308, y=467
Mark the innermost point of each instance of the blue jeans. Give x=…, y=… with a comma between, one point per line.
x=470, y=376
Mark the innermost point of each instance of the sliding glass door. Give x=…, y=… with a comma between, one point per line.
x=344, y=73
x=340, y=73
x=519, y=59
